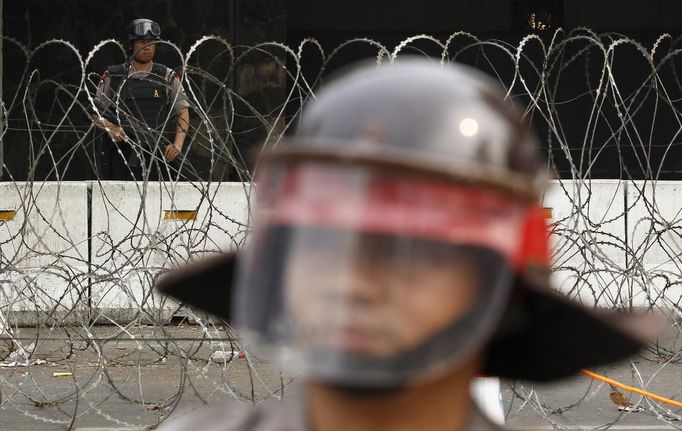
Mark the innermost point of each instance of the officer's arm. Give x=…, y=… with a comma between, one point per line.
x=173, y=151
x=181, y=128
x=180, y=105
x=102, y=99
x=102, y=122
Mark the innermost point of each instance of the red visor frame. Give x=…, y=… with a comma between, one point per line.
x=376, y=201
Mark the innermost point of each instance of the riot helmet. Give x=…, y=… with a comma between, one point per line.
x=390, y=226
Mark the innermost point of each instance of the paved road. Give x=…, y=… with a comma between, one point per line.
x=130, y=386
x=581, y=403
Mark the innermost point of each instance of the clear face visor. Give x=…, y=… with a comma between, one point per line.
x=147, y=29
x=362, y=277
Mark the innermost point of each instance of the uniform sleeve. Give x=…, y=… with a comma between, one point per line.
x=178, y=96
x=103, y=96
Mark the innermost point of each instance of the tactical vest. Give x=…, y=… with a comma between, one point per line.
x=144, y=102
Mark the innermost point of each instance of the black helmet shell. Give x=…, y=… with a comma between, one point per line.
x=443, y=117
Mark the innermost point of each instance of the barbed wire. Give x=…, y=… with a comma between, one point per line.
x=85, y=339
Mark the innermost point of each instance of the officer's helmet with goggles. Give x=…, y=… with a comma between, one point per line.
x=143, y=29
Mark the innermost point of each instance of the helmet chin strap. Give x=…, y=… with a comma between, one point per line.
x=441, y=352
x=366, y=392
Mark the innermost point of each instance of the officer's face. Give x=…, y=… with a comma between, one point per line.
x=387, y=297
x=144, y=50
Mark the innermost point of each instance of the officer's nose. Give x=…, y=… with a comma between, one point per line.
x=360, y=284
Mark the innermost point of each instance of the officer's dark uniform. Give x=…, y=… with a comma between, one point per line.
x=144, y=104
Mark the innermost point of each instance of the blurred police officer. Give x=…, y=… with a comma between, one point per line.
x=144, y=111
x=399, y=251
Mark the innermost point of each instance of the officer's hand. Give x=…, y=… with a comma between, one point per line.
x=116, y=133
x=171, y=152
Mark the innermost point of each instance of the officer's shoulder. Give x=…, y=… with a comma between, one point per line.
x=238, y=416
x=232, y=416
x=163, y=70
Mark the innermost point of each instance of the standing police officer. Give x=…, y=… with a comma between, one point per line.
x=399, y=251
x=144, y=111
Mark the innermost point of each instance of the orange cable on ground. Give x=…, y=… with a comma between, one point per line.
x=631, y=388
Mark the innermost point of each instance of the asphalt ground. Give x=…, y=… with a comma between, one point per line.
x=115, y=382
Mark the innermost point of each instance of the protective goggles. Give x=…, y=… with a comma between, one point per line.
x=146, y=29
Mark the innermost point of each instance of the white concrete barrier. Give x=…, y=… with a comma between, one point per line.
x=139, y=231
x=588, y=239
x=44, y=252
x=655, y=242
